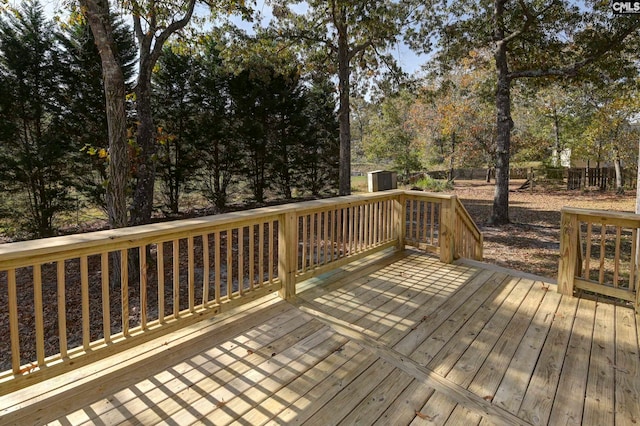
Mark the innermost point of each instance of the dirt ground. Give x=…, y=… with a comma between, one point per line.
x=531, y=242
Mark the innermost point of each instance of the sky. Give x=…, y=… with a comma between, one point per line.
x=408, y=60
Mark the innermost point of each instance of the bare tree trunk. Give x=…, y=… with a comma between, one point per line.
x=344, y=73
x=146, y=164
x=555, y=155
x=97, y=14
x=504, y=124
x=618, y=169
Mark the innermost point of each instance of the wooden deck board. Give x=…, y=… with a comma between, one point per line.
x=402, y=340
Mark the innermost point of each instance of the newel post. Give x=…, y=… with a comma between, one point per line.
x=568, y=252
x=287, y=254
x=447, y=230
x=400, y=219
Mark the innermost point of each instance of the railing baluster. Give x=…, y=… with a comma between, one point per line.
x=603, y=247
x=229, y=264
x=312, y=240
x=37, y=296
x=252, y=261
x=272, y=249
x=106, y=301
x=633, y=265
x=14, y=329
x=205, y=269
x=191, y=278
x=124, y=290
x=587, y=258
x=86, y=318
x=303, y=255
x=160, y=267
x=240, y=246
x=176, y=278
x=261, y=252
x=62, y=312
x=142, y=250
x=616, y=259
x=218, y=267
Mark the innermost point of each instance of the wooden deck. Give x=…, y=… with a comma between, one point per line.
x=404, y=339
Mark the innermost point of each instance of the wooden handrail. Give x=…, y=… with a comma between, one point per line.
x=599, y=252
x=168, y=275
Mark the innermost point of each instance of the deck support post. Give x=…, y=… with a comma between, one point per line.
x=287, y=254
x=568, y=252
x=447, y=230
x=400, y=219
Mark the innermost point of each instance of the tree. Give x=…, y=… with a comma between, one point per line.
x=176, y=110
x=99, y=18
x=317, y=153
x=528, y=39
x=220, y=152
x=34, y=152
x=153, y=24
x=390, y=135
x=348, y=30
x=86, y=121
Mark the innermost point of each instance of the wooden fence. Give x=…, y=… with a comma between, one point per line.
x=599, y=253
x=103, y=292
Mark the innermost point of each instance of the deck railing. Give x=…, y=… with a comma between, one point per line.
x=599, y=253
x=106, y=291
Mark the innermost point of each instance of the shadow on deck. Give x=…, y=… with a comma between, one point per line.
x=392, y=339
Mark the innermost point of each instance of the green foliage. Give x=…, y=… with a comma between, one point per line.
x=390, y=135
x=34, y=166
x=428, y=183
x=86, y=123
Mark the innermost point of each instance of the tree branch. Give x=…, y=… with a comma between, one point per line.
x=573, y=69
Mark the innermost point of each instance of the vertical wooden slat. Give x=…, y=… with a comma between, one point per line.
x=432, y=221
x=352, y=221
x=191, y=278
x=218, y=266
x=124, y=290
x=62, y=312
x=303, y=266
x=312, y=240
x=390, y=228
x=252, y=261
x=367, y=226
x=37, y=299
x=205, y=269
x=160, y=262
x=325, y=237
x=587, y=258
x=340, y=234
x=14, y=330
x=106, y=301
x=229, y=263
x=86, y=319
x=143, y=286
x=361, y=233
x=375, y=223
x=271, y=250
x=633, y=264
x=412, y=209
x=616, y=257
x=603, y=247
x=261, y=252
x=176, y=278
x=241, y=260
x=332, y=234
